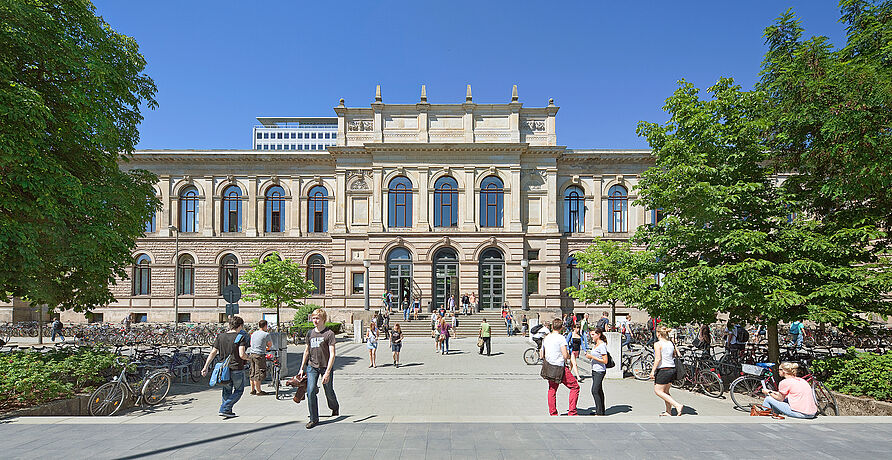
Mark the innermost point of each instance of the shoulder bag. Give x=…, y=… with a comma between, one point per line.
x=551, y=372
x=610, y=362
x=680, y=370
x=221, y=372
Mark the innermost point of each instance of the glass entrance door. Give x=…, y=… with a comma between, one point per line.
x=399, y=276
x=445, y=277
x=492, y=279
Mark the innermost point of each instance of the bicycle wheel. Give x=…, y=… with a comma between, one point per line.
x=642, y=366
x=530, y=356
x=156, y=387
x=825, y=399
x=106, y=400
x=277, y=380
x=710, y=383
x=746, y=391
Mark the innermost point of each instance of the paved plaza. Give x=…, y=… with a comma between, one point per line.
x=462, y=405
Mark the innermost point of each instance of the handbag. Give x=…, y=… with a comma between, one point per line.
x=551, y=372
x=480, y=342
x=221, y=372
x=680, y=370
x=610, y=362
x=300, y=387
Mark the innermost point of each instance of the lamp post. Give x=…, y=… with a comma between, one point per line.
x=176, y=274
x=366, y=263
x=525, y=304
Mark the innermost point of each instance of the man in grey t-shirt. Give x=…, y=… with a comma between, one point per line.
x=260, y=343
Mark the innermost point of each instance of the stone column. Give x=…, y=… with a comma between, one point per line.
x=377, y=203
x=551, y=184
x=165, y=219
x=421, y=199
x=251, y=212
x=209, y=208
x=469, y=207
x=293, y=208
x=340, y=202
x=514, y=209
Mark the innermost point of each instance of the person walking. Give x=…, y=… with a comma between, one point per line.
x=416, y=308
x=450, y=304
x=794, y=396
x=444, y=328
x=126, y=323
x=575, y=347
x=796, y=331
x=554, y=350
x=435, y=334
x=465, y=303
x=485, y=333
x=453, y=320
x=396, y=343
x=585, y=326
x=57, y=330
x=524, y=325
x=371, y=340
x=598, y=357
x=406, y=311
x=474, y=303
x=663, y=371
x=260, y=343
x=230, y=345
x=625, y=328
x=509, y=321
x=604, y=322
x=318, y=359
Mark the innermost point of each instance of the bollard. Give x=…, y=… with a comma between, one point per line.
x=357, y=331
x=614, y=347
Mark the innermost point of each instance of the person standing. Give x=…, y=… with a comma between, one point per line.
x=126, y=323
x=663, y=371
x=604, y=322
x=598, y=356
x=396, y=343
x=508, y=321
x=371, y=339
x=575, y=347
x=260, y=343
x=524, y=325
x=465, y=304
x=585, y=327
x=435, y=334
x=796, y=328
x=485, y=333
x=230, y=345
x=406, y=311
x=444, y=329
x=57, y=330
x=473, y=299
x=554, y=350
x=319, y=357
x=625, y=328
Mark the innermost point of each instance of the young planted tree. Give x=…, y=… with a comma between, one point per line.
x=613, y=272
x=733, y=240
x=71, y=89
x=276, y=282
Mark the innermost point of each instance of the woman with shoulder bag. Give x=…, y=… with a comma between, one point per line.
x=372, y=342
x=554, y=354
x=599, y=359
x=664, y=371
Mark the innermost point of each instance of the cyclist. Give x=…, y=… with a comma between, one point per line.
x=537, y=333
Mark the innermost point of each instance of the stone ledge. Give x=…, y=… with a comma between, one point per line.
x=76, y=406
x=860, y=405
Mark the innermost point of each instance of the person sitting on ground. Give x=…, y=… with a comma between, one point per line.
x=794, y=396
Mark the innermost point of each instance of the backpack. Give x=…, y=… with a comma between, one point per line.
x=536, y=329
x=602, y=323
x=794, y=328
x=743, y=336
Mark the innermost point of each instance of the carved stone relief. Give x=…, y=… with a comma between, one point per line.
x=534, y=179
x=535, y=125
x=359, y=184
x=360, y=125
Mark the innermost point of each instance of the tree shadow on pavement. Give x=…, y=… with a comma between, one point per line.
x=224, y=436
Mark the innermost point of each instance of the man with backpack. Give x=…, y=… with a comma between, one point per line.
x=796, y=333
x=652, y=327
x=604, y=322
x=232, y=347
x=57, y=329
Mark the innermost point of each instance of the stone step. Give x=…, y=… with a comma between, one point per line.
x=468, y=325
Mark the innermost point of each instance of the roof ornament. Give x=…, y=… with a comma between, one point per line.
x=514, y=94
x=423, y=94
x=341, y=102
x=468, y=94
x=551, y=102
x=378, y=93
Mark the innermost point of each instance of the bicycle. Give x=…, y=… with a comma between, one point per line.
x=638, y=364
x=109, y=397
x=276, y=367
x=698, y=376
x=531, y=356
x=746, y=390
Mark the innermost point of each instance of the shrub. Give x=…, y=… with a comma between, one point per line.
x=302, y=315
x=858, y=374
x=301, y=329
x=29, y=378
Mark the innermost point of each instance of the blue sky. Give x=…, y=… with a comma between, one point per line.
x=607, y=64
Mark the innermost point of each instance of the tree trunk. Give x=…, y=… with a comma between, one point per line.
x=613, y=313
x=40, y=325
x=773, y=348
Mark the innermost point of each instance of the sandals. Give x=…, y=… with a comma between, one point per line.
x=664, y=414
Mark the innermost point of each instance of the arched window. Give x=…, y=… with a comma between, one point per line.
x=318, y=210
x=232, y=209
x=399, y=206
x=228, y=271
x=142, y=275
x=275, y=209
x=491, y=278
x=316, y=273
x=399, y=274
x=492, y=202
x=272, y=257
x=150, y=224
x=617, y=209
x=574, y=273
x=185, y=275
x=574, y=210
x=445, y=202
x=189, y=210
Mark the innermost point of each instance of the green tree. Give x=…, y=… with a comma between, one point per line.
x=613, y=269
x=733, y=240
x=276, y=282
x=71, y=89
x=831, y=116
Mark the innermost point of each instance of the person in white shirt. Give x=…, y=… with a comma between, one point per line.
x=554, y=350
x=663, y=371
x=599, y=359
x=625, y=328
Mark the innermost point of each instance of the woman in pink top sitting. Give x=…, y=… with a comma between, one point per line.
x=795, y=397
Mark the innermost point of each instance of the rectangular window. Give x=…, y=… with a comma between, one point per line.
x=532, y=283
x=328, y=135
x=266, y=135
x=140, y=318
x=334, y=135
x=94, y=317
x=287, y=147
x=300, y=146
x=293, y=135
x=300, y=135
x=259, y=136
x=533, y=254
x=358, y=283
x=184, y=317
x=265, y=147
x=279, y=135
x=312, y=135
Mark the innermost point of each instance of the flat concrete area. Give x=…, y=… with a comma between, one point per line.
x=462, y=405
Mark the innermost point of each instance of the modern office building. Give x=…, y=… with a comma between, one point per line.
x=436, y=199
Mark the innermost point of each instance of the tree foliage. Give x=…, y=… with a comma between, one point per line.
x=276, y=282
x=614, y=274
x=71, y=89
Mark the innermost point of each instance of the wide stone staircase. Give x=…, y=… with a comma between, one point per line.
x=468, y=325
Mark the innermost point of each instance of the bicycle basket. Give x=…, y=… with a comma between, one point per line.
x=752, y=370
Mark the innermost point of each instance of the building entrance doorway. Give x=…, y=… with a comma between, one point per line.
x=492, y=279
x=399, y=276
x=445, y=277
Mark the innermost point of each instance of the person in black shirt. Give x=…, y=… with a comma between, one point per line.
x=231, y=343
